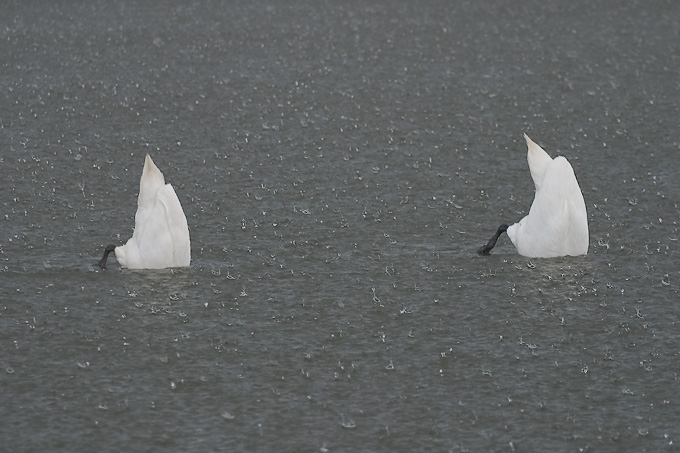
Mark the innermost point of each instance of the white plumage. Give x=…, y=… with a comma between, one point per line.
x=161, y=235
x=557, y=223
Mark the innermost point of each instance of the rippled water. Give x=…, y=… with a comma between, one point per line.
x=339, y=164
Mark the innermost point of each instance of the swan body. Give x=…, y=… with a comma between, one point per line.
x=161, y=235
x=557, y=223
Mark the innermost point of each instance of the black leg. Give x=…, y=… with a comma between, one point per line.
x=109, y=249
x=485, y=249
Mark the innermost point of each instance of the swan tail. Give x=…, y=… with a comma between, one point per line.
x=538, y=160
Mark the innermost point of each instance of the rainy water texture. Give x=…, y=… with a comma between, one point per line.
x=339, y=164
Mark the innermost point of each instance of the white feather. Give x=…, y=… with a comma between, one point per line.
x=557, y=224
x=161, y=235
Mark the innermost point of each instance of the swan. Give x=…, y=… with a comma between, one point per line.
x=161, y=235
x=557, y=224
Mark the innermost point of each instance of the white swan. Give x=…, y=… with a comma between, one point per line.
x=161, y=235
x=557, y=224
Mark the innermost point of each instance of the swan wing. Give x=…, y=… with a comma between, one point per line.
x=161, y=236
x=177, y=226
x=557, y=224
x=539, y=161
x=149, y=184
x=164, y=241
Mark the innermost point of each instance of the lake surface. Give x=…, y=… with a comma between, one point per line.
x=339, y=163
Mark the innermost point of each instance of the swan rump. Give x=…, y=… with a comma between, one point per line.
x=557, y=223
x=161, y=235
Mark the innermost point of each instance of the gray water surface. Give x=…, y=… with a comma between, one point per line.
x=339, y=163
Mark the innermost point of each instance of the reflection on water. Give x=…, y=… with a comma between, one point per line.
x=339, y=165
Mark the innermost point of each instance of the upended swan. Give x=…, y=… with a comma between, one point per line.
x=161, y=235
x=557, y=224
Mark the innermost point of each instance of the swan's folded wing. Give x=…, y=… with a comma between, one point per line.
x=151, y=181
x=578, y=235
x=177, y=226
x=154, y=245
x=575, y=230
x=163, y=240
x=557, y=222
